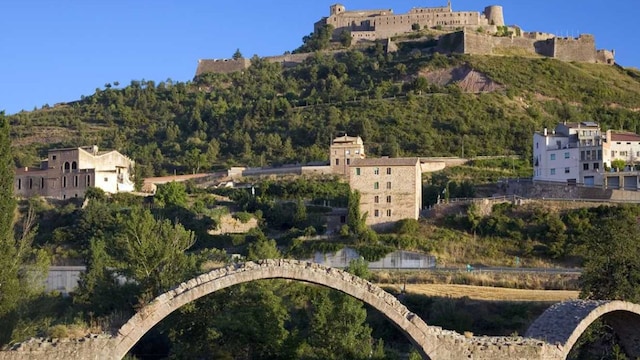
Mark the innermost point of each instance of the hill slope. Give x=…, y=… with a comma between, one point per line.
x=267, y=115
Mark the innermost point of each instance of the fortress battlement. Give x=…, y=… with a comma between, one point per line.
x=466, y=32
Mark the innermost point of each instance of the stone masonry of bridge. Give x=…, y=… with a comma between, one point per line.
x=563, y=323
x=544, y=343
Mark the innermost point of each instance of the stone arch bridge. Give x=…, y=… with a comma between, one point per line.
x=549, y=338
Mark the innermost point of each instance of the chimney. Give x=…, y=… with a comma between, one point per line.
x=545, y=131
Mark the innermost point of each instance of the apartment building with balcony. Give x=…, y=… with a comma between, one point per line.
x=580, y=153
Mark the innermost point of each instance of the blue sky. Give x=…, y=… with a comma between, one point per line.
x=55, y=51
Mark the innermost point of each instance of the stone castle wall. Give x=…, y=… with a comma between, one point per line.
x=381, y=24
x=581, y=49
x=223, y=66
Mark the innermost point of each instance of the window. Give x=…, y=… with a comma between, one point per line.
x=567, y=170
x=376, y=185
x=53, y=157
x=88, y=180
x=553, y=156
x=64, y=181
x=30, y=183
x=358, y=171
x=348, y=161
x=566, y=155
x=376, y=213
x=376, y=171
x=75, y=181
x=74, y=166
x=41, y=183
x=553, y=171
x=337, y=161
x=106, y=179
x=67, y=166
x=596, y=166
x=388, y=184
x=389, y=212
x=376, y=199
x=347, y=152
x=388, y=171
x=19, y=184
x=623, y=153
x=389, y=199
x=585, y=166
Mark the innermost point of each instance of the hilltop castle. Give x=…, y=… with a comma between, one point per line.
x=464, y=32
x=382, y=24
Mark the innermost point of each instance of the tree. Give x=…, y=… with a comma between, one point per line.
x=9, y=277
x=23, y=269
x=618, y=164
x=612, y=271
x=263, y=248
x=318, y=40
x=355, y=221
x=237, y=55
x=300, y=215
x=151, y=252
x=359, y=267
x=171, y=194
x=337, y=328
x=346, y=38
x=415, y=27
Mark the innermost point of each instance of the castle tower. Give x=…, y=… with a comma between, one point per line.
x=494, y=15
x=336, y=9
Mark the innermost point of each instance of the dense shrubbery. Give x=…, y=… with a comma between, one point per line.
x=270, y=116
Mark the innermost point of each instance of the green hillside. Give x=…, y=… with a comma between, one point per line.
x=270, y=116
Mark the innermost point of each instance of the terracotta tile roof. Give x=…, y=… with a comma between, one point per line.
x=624, y=136
x=386, y=162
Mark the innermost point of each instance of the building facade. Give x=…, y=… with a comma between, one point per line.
x=343, y=151
x=571, y=153
x=390, y=189
x=382, y=24
x=579, y=153
x=68, y=173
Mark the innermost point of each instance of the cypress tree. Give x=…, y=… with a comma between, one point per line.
x=7, y=201
x=9, y=283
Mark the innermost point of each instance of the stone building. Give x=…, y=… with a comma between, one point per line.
x=390, y=189
x=67, y=173
x=382, y=24
x=343, y=151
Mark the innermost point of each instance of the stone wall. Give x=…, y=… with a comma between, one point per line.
x=223, y=66
x=582, y=49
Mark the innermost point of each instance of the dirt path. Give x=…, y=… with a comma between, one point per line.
x=488, y=293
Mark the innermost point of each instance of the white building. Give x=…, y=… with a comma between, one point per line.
x=571, y=153
x=578, y=153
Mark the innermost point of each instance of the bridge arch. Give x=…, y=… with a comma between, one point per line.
x=424, y=338
x=563, y=323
